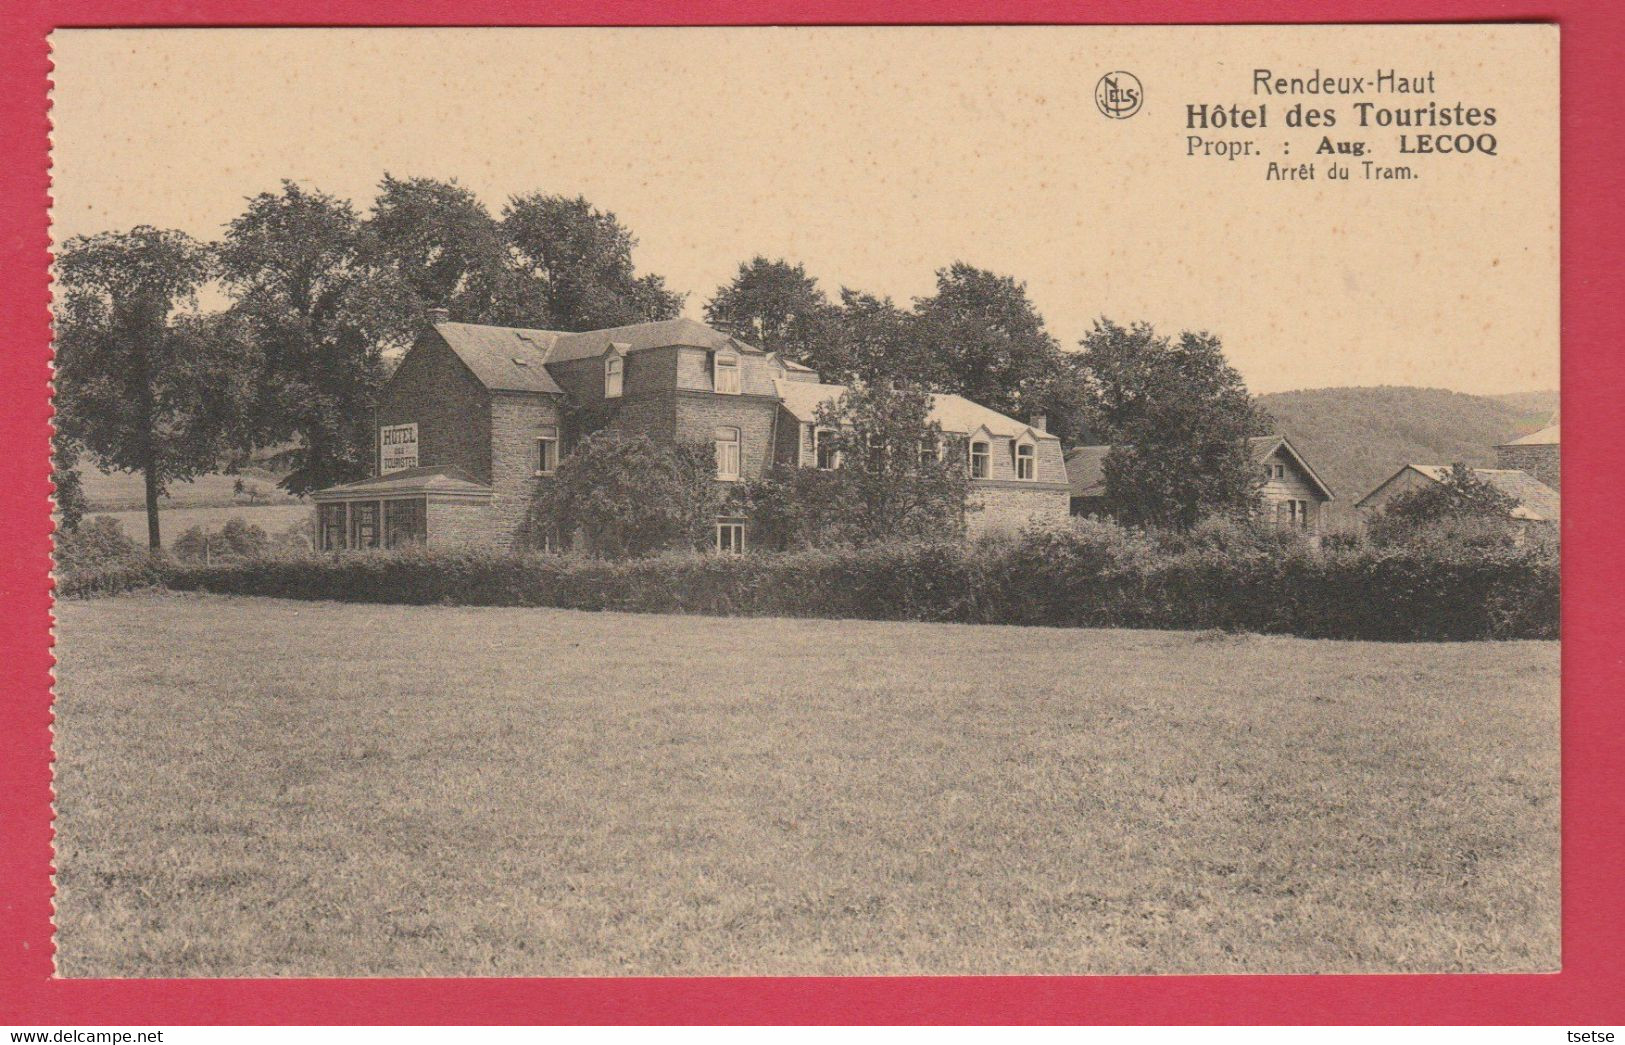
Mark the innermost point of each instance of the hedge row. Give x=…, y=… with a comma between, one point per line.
x=1066, y=578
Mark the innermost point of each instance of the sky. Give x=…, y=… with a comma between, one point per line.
x=877, y=156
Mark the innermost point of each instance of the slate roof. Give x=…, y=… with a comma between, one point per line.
x=503, y=359
x=956, y=414
x=409, y=481
x=1086, y=465
x=1086, y=470
x=1262, y=446
x=1537, y=502
x=639, y=336
x=1547, y=436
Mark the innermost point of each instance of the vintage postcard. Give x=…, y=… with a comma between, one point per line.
x=806, y=501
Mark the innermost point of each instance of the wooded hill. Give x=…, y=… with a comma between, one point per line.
x=1357, y=437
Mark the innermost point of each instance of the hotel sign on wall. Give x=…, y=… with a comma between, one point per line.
x=397, y=448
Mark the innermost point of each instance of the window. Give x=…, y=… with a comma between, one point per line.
x=727, y=453
x=547, y=450
x=730, y=537
x=332, y=535
x=877, y=453
x=725, y=374
x=1026, y=461
x=824, y=454
x=981, y=460
x=930, y=452
x=364, y=532
x=1279, y=471
x=405, y=522
x=612, y=377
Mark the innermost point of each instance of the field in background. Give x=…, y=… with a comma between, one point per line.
x=124, y=490
x=256, y=787
x=172, y=522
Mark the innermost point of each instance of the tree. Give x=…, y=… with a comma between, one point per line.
x=778, y=306
x=1460, y=500
x=68, y=494
x=985, y=341
x=579, y=263
x=630, y=496
x=1178, y=417
x=322, y=316
x=897, y=478
x=142, y=388
x=444, y=246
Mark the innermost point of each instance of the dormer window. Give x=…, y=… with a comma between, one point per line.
x=725, y=373
x=981, y=459
x=612, y=376
x=1026, y=461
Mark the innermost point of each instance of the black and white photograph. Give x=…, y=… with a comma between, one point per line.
x=806, y=501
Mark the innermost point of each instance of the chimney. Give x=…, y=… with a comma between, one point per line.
x=439, y=315
x=1040, y=422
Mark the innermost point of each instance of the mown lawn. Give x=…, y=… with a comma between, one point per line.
x=256, y=787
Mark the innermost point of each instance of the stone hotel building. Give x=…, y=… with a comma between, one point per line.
x=472, y=423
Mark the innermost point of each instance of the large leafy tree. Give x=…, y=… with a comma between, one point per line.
x=1178, y=417
x=439, y=240
x=577, y=260
x=897, y=477
x=321, y=315
x=986, y=341
x=778, y=306
x=1459, y=501
x=628, y=496
x=143, y=384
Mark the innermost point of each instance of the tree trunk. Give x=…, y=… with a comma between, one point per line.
x=150, y=473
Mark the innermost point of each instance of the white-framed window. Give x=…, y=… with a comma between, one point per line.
x=613, y=372
x=725, y=373
x=1278, y=471
x=727, y=440
x=824, y=452
x=981, y=459
x=930, y=452
x=877, y=453
x=730, y=537
x=547, y=450
x=1026, y=461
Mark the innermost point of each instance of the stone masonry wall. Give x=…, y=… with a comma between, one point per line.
x=516, y=420
x=433, y=390
x=458, y=524
x=1007, y=507
x=1541, y=460
x=699, y=414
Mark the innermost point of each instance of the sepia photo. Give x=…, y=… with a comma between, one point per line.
x=806, y=501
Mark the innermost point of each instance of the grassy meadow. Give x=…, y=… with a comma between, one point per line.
x=252, y=787
x=172, y=522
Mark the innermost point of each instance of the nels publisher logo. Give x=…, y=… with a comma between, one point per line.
x=1118, y=95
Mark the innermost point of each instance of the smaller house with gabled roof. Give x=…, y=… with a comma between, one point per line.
x=1291, y=494
x=1538, y=504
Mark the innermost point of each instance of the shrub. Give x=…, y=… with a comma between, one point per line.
x=94, y=544
x=1089, y=574
x=236, y=539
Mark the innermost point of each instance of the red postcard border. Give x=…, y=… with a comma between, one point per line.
x=1589, y=990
